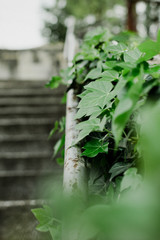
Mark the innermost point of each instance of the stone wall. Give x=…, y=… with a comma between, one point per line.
x=31, y=64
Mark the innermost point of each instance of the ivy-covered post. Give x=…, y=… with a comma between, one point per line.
x=74, y=167
x=74, y=179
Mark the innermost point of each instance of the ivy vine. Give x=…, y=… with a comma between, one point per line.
x=114, y=81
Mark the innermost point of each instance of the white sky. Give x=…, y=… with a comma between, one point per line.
x=20, y=23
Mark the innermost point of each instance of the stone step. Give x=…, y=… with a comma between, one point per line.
x=15, y=185
x=30, y=112
x=23, y=161
x=4, y=205
x=27, y=145
x=30, y=101
x=24, y=155
x=23, y=121
x=23, y=137
x=26, y=173
x=26, y=126
x=29, y=92
x=28, y=138
x=22, y=84
x=21, y=142
x=18, y=222
x=43, y=128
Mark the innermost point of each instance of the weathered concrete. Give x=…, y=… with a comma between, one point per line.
x=27, y=114
x=33, y=64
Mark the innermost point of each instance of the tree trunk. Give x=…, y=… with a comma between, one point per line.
x=131, y=18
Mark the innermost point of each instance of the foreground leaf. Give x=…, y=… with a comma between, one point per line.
x=131, y=179
x=86, y=127
x=54, y=82
x=88, y=110
x=99, y=95
x=45, y=218
x=94, y=147
x=150, y=49
x=56, y=125
x=117, y=49
x=58, y=146
x=109, y=75
x=125, y=109
x=118, y=168
x=93, y=74
x=132, y=56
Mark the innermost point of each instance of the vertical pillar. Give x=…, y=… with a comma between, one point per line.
x=75, y=175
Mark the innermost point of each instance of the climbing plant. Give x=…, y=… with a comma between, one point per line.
x=114, y=81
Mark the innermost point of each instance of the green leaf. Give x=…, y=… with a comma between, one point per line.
x=64, y=99
x=125, y=109
x=55, y=232
x=153, y=69
x=96, y=35
x=67, y=75
x=84, y=93
x=118, y=88
x=62, y=123
x=90, y=54
x=109, y=75
x=117, y=49
x=58, y=146
x=95, y=146
x=96, y=98
x=54, y=82
x=131, y=180
x=150, y=49
x=99, y=95
x=109, y=65
x=88, y=110
x=56, y=125
x=124, y=37
x=132, y=56
x=86, y=127
x=110, y=194
x=126, y=65
x=94, y=73
x=60, y=161
x=118, y=168
x=45, y=218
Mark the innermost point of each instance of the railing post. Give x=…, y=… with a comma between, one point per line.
x=74, y=178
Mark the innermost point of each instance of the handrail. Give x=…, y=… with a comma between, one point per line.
x=70, y=41
x=74, y=178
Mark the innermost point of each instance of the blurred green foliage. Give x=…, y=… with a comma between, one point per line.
x=56, y=15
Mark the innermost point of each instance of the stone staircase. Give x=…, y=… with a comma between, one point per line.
x=27, y=114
